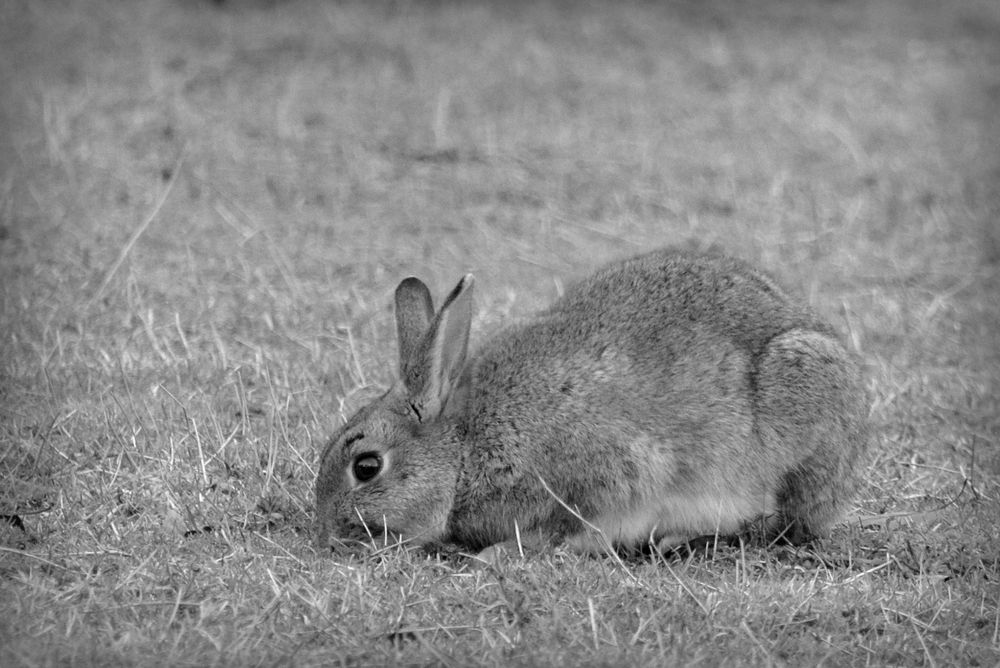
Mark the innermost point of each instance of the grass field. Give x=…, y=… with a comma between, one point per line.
x=205, y=207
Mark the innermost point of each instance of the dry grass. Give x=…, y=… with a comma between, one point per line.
x=204, y=208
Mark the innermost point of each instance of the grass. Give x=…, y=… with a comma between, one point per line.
x=204, y=208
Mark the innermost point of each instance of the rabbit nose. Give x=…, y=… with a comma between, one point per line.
x=322, y=535
x=331, y=541
x=327, y=538
x=320, y=543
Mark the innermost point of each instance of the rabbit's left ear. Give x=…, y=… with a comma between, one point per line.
x=414, y=311
x=435, y=368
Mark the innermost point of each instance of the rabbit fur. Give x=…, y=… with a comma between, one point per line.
x=665, y=397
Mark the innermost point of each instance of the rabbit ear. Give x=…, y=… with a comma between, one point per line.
x=414, y=311
x=436, y=367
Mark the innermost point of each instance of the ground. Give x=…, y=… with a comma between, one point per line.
x=205, y=207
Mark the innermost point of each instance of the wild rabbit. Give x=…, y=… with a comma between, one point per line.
x=666, y=397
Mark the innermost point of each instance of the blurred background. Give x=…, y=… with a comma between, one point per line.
x=214, y=200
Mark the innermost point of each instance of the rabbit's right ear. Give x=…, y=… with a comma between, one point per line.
x=435, y=368
x=414, y=311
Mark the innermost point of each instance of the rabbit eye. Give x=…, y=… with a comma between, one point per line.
x=367, y=466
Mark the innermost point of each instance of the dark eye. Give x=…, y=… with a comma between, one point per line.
x=367, y=466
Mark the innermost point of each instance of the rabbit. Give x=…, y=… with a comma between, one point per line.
x=666, y=397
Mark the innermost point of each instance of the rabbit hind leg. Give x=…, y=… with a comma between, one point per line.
x=811, y=414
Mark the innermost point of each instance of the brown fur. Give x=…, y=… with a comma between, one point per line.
x=665, y=397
